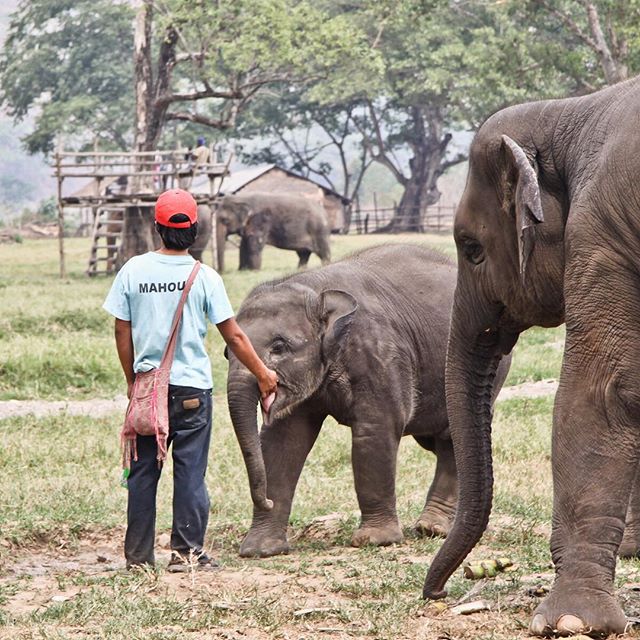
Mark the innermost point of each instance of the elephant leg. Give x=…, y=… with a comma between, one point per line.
x=630, y=545
x=324, y=251
x=285, y=447
x=303, y=255
x=244, y=254
x=374, y=452
x=440, y=507
x=594, y=452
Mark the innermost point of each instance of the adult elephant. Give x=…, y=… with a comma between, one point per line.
x=362, y=340
x=203, y=239
x=284, y=221
x=548, y=230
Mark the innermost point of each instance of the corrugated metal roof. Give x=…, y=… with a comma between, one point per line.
x=240, y=179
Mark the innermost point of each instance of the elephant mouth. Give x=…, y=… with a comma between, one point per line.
x=265, y=406
x=280, y=404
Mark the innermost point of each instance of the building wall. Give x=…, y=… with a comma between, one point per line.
x=278, y=181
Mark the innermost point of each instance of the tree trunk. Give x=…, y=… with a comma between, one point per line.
x=138, y=234
x=429, y=146
x=142, y=72
x=613, y=62
x=158, y=105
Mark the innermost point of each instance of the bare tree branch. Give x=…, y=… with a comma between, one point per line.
x=198, y=95
x=220, y=123
x=461, y=157
x=381, y=156
x=614, y=69
x=570, y=23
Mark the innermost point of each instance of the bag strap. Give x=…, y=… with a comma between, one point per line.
x=169, y=350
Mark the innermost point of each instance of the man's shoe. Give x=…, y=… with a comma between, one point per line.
x=184, y=564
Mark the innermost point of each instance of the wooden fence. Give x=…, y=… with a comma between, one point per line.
x=434, y=218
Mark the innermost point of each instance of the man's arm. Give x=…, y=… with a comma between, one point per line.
x=124, y=345
x=242, y=348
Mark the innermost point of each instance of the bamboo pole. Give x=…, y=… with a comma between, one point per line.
x=63, y=271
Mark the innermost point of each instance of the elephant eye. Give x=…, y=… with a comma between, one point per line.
x=472, y=250
x=279, y=345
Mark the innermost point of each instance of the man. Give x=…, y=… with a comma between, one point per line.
x=200, y=154
x=143, y=299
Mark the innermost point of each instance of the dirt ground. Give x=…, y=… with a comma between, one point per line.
x=101, y=407
x=49, y=575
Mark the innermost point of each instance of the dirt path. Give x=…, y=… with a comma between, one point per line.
x=102, y=407
x=39, y=408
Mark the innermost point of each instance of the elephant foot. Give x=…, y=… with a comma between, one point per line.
x=630, y=545
x=380, y=536
x=570, y=610
x=263, y=547
x=433, y=525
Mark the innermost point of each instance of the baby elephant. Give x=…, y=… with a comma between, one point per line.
x=362, y=340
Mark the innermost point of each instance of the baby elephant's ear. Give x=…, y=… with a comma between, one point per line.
x=337, y=310
x=526, y=193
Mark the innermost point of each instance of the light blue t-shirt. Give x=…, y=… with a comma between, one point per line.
x=146, y=292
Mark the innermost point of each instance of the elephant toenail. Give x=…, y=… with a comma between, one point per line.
x=538, y=625
x=570, y=624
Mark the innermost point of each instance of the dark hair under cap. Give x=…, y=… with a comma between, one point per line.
x=178, y=239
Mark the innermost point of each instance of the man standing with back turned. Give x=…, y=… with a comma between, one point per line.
x=143, y=299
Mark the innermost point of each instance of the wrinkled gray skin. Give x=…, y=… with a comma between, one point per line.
x=548, y=231
x=204, y=232
x=284, y=221
x=362, y=340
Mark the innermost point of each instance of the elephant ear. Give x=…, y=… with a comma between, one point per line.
x=256, y=220
x=336, y=310
x=528, y=206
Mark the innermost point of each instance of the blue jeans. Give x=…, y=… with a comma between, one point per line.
x=189, y=436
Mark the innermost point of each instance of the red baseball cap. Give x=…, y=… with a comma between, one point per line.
x=176, y=201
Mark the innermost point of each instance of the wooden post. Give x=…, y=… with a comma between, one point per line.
x=63, y=270
x=214, y=237
x=375, y=209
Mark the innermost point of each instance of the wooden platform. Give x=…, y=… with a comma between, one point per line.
x=117, y=181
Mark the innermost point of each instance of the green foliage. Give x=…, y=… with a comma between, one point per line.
x=563, y=41
x=69, y=61
x=48, y=209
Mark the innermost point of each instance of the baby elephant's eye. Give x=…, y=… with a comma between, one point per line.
x=278, y=346
x=473, y=251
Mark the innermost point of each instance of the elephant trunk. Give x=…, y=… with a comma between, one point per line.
x=472, y=359
x=221, y=241
x=243, y=396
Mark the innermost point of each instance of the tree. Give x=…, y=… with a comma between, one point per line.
x=445, y=66
x=594, y=42
x=314, y=139
x=195, y=62
x=69, y=63
x=228, y=52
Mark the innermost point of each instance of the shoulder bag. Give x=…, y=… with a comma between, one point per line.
x=148, y=410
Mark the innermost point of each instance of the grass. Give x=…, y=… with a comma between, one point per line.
x=372, y=593
x=61, y=503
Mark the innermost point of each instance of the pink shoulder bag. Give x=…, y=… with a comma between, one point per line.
x=148, y=410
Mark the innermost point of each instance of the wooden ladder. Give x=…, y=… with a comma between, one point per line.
x=107, y=239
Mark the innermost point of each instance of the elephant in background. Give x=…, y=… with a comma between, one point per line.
x=548, y=231
x=205, y=228
x=362, y=340
x=284, y=221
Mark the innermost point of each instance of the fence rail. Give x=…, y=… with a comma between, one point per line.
x=433, y=218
